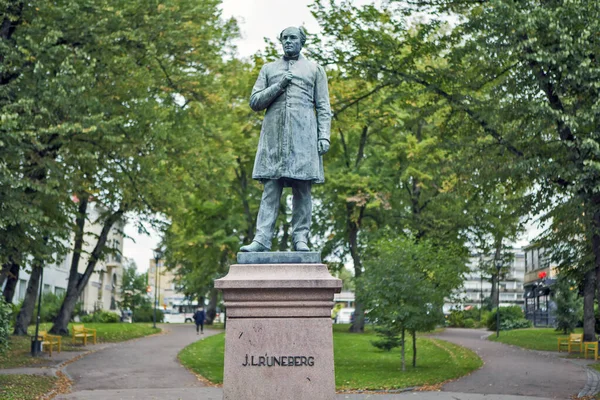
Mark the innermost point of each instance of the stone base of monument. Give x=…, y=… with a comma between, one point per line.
x=278, y=340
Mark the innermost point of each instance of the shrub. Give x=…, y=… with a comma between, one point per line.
x=5, y=317
x=51, y=304
x=146, y=314
x=469, y=323
x=466, y=318
x=507, y=314
x=456, y=319
x=101, y=316
x=516, y=324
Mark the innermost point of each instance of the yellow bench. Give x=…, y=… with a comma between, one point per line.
x=573, y=341
x=49, y=341
x=81, y=332
x=591, y=346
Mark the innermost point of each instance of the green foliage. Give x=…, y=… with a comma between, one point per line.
x=510, y=318
x=133, y=290
x=466, y=318
x=101, y=316
x=5, y=318
x=50, y=306
x=469, y=323
x=389, y=338
x=569, y=307
x=146, y=314
x=408, y=282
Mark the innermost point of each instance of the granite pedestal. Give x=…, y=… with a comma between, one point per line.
x=278, y=340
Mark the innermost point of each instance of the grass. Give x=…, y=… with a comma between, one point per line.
x=25, y=387
x=358, y=365
x=19, y=354
x=545, y=339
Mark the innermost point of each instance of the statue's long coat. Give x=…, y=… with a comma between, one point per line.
x=296, y=118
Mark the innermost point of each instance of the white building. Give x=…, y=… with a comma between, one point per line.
x=477, y=287
x=103, y=288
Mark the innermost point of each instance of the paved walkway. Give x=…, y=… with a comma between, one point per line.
x=511, y=370
x=147, y=368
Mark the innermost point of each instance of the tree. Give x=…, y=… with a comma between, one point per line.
x=133, y=289
x=519, y=80
x=568, y=306
x=407, y=283
x=101, y=135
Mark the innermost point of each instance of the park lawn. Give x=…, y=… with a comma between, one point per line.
x=19, y=354
x=358, y=365
x=545, y=339
x=25, y=387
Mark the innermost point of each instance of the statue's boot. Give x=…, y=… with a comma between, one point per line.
x=253, y=247
x=301, y=246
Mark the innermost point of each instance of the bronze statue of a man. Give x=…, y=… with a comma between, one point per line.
x=293, y=139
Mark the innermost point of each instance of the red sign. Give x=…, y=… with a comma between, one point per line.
x=542, y=275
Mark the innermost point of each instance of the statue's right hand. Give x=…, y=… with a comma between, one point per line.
x=287, y=78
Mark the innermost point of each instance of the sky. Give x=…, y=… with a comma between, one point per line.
x=257, y=19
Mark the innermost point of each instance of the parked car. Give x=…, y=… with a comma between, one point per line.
x=178, y=318
x=344, y=316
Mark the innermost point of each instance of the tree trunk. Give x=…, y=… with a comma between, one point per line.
x=596, y=248
x=358, y=324
x=211, y=310
x=68, y=305
x=4, y=273
x=11, y=282
x=589, y=319
x=27, y=309
x=403, y=350
x=75, y=288
x=414, y=340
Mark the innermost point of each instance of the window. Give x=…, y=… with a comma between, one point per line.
x=47, y=288
x=59, y=291
x=22, y=289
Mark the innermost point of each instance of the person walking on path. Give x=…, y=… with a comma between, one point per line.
x=199, y=317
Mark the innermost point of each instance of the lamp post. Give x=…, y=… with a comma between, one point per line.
x=480, y=286
x=498, y=266
x=36, y=343
x=157, y=256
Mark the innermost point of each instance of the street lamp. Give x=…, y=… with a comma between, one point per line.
x=498, y=266
x=36, y=343
x=157, y=257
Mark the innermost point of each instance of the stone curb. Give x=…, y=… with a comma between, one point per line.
x=592, y=386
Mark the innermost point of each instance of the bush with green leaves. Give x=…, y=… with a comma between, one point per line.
x=102, y=316
x=51, y=304
x=469, y=323
x=5, y=318
x=466, y=318
x=146, y=314
x=515, y=324
x=507, y=314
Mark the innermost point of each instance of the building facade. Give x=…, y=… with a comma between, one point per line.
x=103, y=290
x=477, y=287
x=540, y=275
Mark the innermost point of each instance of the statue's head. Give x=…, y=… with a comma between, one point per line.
x=292, y=39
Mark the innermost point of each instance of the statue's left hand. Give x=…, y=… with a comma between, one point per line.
x=323, y=146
